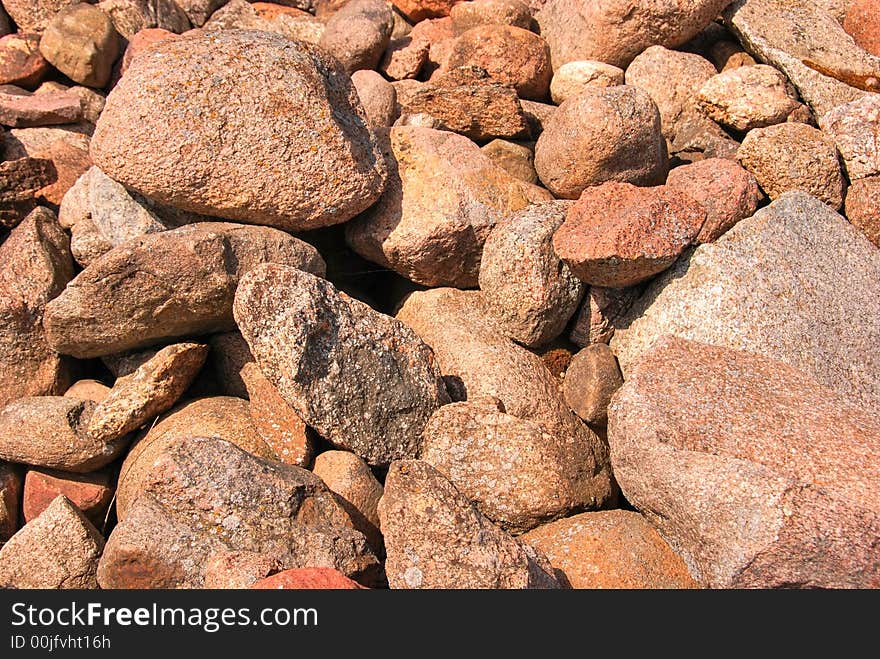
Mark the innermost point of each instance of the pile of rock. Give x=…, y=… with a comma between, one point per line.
x=436, y=294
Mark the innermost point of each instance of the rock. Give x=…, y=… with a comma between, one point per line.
x=139, y=43
x=517, y=473
x=81, y=42
x=358, y=33
x=34, y=15
x=811, y=48
x=572, y=77
x=537, y=114
x=855, y=129
x=467, y=15
x=672, y=79
x=404, y=58
x=289, y=22
x=198, y=11
x=68, y=150
x=308, y=578
x=863, y=207
x=133, y=16
x=363, y=380
x=20, y=183
x=58, y=550
x=699, y=138
x=359, y=491
x=602, y=134
x=91, y=101
x=600, y=312
x=50, y=431
x=515, y=159
x=747, y=291
x=862, y=23
x=221, y=417
x=238, y=569
x=590, y=380
x=150, y=390
x=146, y=137
x=377, y=96
x=35, y=265
x=610, y=549
x=198, y=499
x=726, y=191
x=615, y=32
x=617, y=235
x=279, y=425
x=510, y=55
x=477, y=111
x=748, y=97
x=697, y=469
x=160, y=291
x=10, y=496
x=794, y=156
x=90, y=493
x=527, y=289
x=436, y=538
x=418, y=10
x=88, y=390
x=229, y=355
x=19, y=108
x=20, y=60
x=432, y=234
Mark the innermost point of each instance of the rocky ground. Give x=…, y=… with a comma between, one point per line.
x=345, y=294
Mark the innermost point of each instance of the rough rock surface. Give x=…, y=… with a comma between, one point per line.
x=527, y=289
x=610, y=549
x=434, y=234
x=10, y=498
x=19, y=108
x=377, y=96
x=90, y=493
x=764, y=287
x=132, y=16
x=862, y=23
x=81, y=42
x=307, y=578
x=198, y=499
x=58, y=549
x=855, y=129
x=358, y=33
x=362, y=379
x=198, y=11
x=518, y=160
x=466, y=15
x=66, y=147
x=572, y=77
x=602, y=134
x=600, y=313
x=21, y=181
x=436, y=538
x=165, y=285
x=863, y=207
x=229, y=355
x=699, y=470
x=238, y=569
x=291, y=107
x=34, y=15
x=591, y=379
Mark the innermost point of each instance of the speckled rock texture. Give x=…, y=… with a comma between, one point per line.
x=165, y=285
x=591, y=379
x=21, y=180
x=466, y=15
x=600, y=312
x=748, y=97
x=81, y=42
x=57, y=550
x=434, y=234
x=199, y=498
x=617, y=234
x=863, y=207
x=765, y=461
x=238, y=569
x=862, y=23
x=362, y=379
x=34, y=15
x=528, y=290
x=610, y=549
x=290, y=107
x=572, y=77
x=132, y=16
x=20, y=108
x=517, y=473
x=764, y=287
x=358, y=33
x=10, y=497
x=198, y=11
x=35, y=265
x=616, y=31
x=308, y=578
x=437, y=538
x=602, y=134
x=89, y=493
x=855, y=129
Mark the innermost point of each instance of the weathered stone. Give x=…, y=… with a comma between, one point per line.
x=58, y=550
x=404, y=58
x=166, y=285
x=748, y=97
x=10, y=497
x=198, y=499
x=88, y=390
x=726, y=191
x=855, y=129
x=289, y=22
x=434, y=234
x=229, y=355
x=81, y=42
x=728, y=55
x=610, y=549
x=377, y=96
x=34, y=15
x=794, y=156
x=617, y=234
x=862, y=23
x=590, y=380
x=308, y=578
x=363, y=380
x=140, y=42
x=90, y=493
x=698, y=470
x=600, y=312
x=20, y=60
x=764, y=287
x=466, y=15
x=132, y=16
x=358, y=33
x=198, y=11
x=20, y=183
x=572, y=77
x=863, y=207
x=238, y=569
x=699, y=138
x=35, y=265
x=66, y=147
x=417, y=10
x=518, y=160
x=91, y=101
x=602, y=134
x=437, y=538
x=291, y=107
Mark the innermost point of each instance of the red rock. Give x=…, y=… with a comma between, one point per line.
x=618, y=235
x=862, y=22
x=417, y=10
x=725, y=190
x=10, y=496
x=140, y=42
x=863, y=207
x=20, y=60
x=466, y=15
x=90, y=493
x=19, y=108
x=308, y=578
x=590, y=380
x=238, y=569
x=34, y=15
x=404, y=58
x=20, y=182
x=67, y=149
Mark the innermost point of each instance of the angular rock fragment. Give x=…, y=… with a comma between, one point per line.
x=81, y=42
x=238, y=569
x=90, y=493
x=132, y=16
x=591, y=379
x=572, y=77
x=863, y=207
x=855, y=129
x=20, y=60
x=10, y=498
x=19, y=108
x=307, y=578
x=21, y=181
x=66, y=147
x=518, y=160
x=34, y=15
